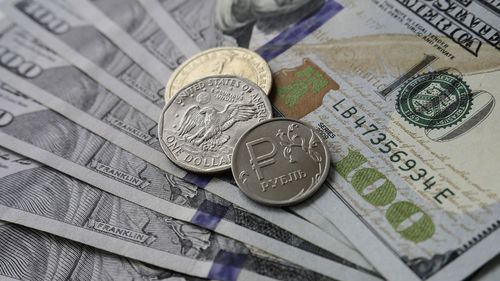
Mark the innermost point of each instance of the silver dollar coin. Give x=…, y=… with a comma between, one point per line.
x=202, y=122
x=280, y=162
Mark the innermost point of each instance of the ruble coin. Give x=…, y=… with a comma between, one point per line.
x=280, y=162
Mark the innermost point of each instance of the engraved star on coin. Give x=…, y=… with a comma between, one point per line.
x=280, y=162
x=201, y=124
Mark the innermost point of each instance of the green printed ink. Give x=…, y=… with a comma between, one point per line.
x=399, y=214
x=353, y=160
x=419, y=231
x=382, y=195
x=306, y=78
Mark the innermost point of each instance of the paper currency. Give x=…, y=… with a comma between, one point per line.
x=405, y=98
x=79, y=42
x=208, y=24
x=23, y=248
x=42, y=198
x=174, y=30
x=129, y=26
x=147, y=147
x=61, y=144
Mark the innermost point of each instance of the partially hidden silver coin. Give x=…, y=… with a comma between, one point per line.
x=280, y=162
x=202, y=122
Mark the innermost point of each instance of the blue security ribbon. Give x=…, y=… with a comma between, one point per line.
x=199, y=180
x=209, y=214
x=299, y=31
x=227, y=266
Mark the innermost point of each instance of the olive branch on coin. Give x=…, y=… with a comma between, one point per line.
x=292, y=139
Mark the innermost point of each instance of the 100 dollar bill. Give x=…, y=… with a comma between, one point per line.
x=63, y=145
x=406, y=100
x=39, y=197
x=138, y=136
x=63, y=259
x=129, y=26
x=77, y=41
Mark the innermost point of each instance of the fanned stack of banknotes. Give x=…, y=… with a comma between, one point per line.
x=402, y=93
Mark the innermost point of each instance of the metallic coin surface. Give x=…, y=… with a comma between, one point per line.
x=202, y=122
x=280, y=162
x=221, y=61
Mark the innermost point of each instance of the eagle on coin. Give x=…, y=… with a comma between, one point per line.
x=205, y=126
